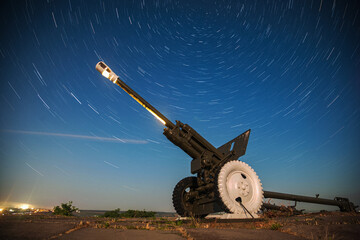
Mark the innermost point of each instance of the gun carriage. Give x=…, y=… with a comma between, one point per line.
x=222, y=183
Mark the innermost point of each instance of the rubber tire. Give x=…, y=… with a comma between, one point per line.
x=178, y=196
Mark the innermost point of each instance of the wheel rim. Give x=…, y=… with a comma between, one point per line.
x=238, y=184
x=187, y=204
x=237, y=181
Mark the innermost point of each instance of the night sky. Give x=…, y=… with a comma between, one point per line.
x=287, y=70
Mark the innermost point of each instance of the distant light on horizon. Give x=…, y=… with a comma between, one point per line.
x=16, y=205
x=24, y=206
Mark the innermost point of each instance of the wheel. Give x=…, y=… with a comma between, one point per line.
x=181, y=204
x=237, y=182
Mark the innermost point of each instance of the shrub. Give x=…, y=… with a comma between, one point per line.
x=138, y=214
x=113, y=214
x=66, y=209
x=130, y=214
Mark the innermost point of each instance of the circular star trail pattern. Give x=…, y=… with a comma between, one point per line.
x=287, y=70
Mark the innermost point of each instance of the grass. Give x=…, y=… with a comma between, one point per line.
x=275, y=226
x=195, y=222
x=178, y=223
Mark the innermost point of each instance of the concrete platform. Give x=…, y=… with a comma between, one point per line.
x=232, y=216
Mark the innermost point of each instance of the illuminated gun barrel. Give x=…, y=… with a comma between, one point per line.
x=106, y=72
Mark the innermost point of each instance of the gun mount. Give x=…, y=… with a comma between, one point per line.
x=222, y=183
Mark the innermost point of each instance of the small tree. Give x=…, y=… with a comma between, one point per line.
x=66, y=209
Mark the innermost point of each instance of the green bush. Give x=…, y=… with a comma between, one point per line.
x=138, y=214
x=113, y=214
x=130, y=214
x=66, y=209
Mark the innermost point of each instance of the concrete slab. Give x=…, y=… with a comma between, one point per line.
x=338, y=231
x=29, y=230
x=232, y=216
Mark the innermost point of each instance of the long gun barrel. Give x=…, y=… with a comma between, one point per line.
x=182, y=135
x=108, y=73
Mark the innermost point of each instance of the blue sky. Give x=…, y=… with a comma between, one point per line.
x=287, y=70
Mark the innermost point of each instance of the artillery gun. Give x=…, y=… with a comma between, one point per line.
x=222, y=183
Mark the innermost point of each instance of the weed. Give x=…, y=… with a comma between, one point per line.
x=275, y=226
x=178, y=223
x=106, y=224
x=195, y=222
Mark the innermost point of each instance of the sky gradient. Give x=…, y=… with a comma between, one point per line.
x=287, y=70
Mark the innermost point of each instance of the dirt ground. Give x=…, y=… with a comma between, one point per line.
x=328, y=225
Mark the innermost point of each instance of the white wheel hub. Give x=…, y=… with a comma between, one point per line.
x=237, y=182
